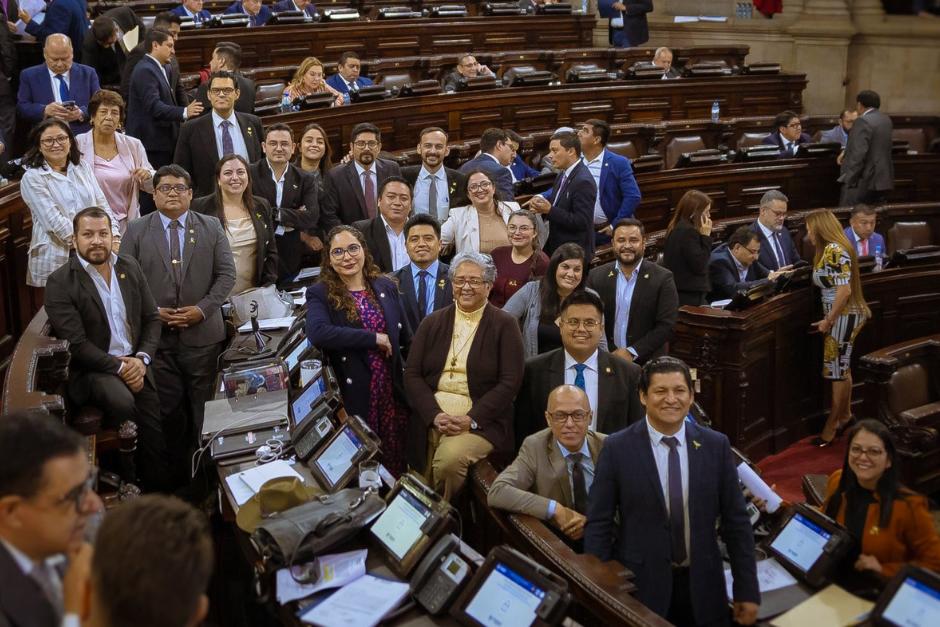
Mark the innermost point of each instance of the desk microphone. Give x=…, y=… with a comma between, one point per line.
x=260, y=343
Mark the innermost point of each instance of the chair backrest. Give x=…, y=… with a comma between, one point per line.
x=269, y=90
x=903, y=235
x=908, y=387
x=915, y=137
x=391, y=80
x=679, y=145
x=624, y=149
x=751, y=139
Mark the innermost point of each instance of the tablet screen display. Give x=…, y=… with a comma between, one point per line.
x=303, y=404
x=293, y=358
x=337, y=458
x=506, y=599
x=915, y=604
x=399, y=526
x=801, y=542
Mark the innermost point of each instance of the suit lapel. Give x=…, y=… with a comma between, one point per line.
x=88, y=284
x=644, y=454
x=641, y=295
x=409, y=297
x=605, y=389
x=605, y=170
x=560, y=471
x=352, y=177
x=443, y=295
x=189, y=241
x=21, y=599
x=383, y=249
x=248, y=134
x=291, y=187
x=130, y=307
x=207, y=139
x=696, y=468
x=158, y=237
x=556, y=370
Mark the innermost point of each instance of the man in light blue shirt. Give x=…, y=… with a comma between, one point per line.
x=423, y=283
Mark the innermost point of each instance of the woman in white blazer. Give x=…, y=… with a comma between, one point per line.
x=480, y=226
x=119, y=161
x=57, y=184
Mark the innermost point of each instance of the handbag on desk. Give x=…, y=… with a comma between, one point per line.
x=301, y=533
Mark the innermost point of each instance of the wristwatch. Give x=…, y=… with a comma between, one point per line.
x=473, y=425
x=144, y=358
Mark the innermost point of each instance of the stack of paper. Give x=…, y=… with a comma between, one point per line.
x=247, y=483
x=362, y=603
x=333, y=571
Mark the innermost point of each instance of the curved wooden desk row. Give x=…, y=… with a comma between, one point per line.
x=370, y=9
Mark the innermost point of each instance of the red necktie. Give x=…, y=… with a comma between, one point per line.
x=864, y=244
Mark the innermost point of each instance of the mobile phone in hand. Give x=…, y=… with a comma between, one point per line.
x=69, y=104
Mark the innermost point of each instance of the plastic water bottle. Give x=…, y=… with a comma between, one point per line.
x=286, y=103
x=878, y=257
x=716, y=111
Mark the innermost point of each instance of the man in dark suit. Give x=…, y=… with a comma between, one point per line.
x=787, y=134
x=62, y=16
x=569, y=205
x=628, y=27
x=351, y=189
x=347, y=77
x=258, y=14
x=46, y=500
x=495, y=157
x=663, y=58
x=777, y=250
x=193, y=9
x=660, y=487
x=618, y=195
x=519, y=169
x=867, y=173
x=102, y=305
x=188, y=264
x=304, y=6
x=103, y=48
x=8, y=69
x=437, y=188
x=467, y=67
x=292, y=194
x=169, y=22
x=206, y=139
x=43, y=88
x=609, y=381
x=423, y=285
x=733, y=266
x=153, y=113
x=641, y=304
x=227, y=57
x=385, y=234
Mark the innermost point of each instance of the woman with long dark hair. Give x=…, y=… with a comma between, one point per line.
x=480, y=226
x=353, y=316
x=688, y=247
x=891, y=523
x=315, y=154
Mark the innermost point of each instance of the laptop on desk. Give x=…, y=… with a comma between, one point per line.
x=226, y=416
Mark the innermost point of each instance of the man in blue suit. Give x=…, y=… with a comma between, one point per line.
x=777, y=250
x=659, y=487
x=347, y=77
x=258, y=14
x=861, y=232
x=518, y=167
x=733, y=266
x=193, y=9
x=304, y=6
x=787, y=134
x=43, y=88
x=153, y=114
x=617, y=192
x=62, y=16
x=495, y=157
x=628, y=27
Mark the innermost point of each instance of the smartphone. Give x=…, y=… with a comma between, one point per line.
x=69, y=104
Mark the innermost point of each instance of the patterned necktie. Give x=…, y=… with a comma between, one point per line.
x=432, y=195
x=228, y=147
x=781, y=259
x=175, y=257
x=369, y=192
x=63, y=88
x=578, y=482
x=422, y=294
x=676, y=503
x=579, y=376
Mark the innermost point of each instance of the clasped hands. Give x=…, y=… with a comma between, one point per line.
x=452, y=425
x=132, y=373
x=181, y=318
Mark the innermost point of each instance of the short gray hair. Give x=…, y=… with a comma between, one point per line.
x=661, y=50
x=485, y=262
x=771, y=196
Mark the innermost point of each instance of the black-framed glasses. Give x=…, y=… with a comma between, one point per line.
x=76, y=495
x=480, y=186
x=871, y=453
x=339, y=253
x=366, y=144
x=574, y=323
x=578, y=417
x=222, y=91
x=166, y=189
x=49, y=142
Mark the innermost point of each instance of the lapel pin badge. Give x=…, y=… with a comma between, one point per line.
x=381, y=294
x=192, y=240
x=608, y=370
x=611, y=273
x=123, y=276
x=192, y=230
x=441, y=284
x=696, y=444
x=646, y=276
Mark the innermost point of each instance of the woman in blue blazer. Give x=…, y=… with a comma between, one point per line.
x=353, y=316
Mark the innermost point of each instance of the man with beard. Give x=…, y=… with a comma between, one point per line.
x=385, y=234
x=641, y=304
x=437, y=189
x=102, y=305
x=351, y=189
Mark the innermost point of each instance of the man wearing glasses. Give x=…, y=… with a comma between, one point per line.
x=225, y=131
x=734, y=266
x=352, y=189
x=788, y=134
x=189, y=266
x=46, y=501
x=467, y=67
x=552, y=475
x=609, y=381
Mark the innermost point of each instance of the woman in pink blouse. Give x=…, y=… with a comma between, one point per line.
x=119, y=161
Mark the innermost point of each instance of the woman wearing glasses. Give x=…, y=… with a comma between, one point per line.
x=308, y=80
x=119, y=161
x=537, y=304
x=57, y=184
x=480, y=226
x=520, y=262
x=891, y=523
x=353, y=316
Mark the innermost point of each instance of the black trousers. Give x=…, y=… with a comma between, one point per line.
x=681, y=612
x=185, y=377
x=118, y=404
x=290, y=252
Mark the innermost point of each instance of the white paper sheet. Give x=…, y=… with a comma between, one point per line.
x=361, y=603
x=770, y=576
x=247, y=483
x=333, y=571
x=758, y=487
x=268, y=324
x=307, y=273
x=131, y=38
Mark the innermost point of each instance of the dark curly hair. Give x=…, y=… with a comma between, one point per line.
x=337, y=293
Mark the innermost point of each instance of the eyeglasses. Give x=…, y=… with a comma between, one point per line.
x=166, y=189
x=475, y=283
x=49, y=142
x=752, y=251
x=366, y=144
x=574, y=324
x=870, y=453
x=512, y=228
x=795, y=125
x=577, y=417
x=222, y=91
x=339, y=253
x=476, y=187
x=77, y=495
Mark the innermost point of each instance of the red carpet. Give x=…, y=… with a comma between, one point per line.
x=786, y=469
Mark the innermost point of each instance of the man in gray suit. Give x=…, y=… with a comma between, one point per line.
x=551, y=477
x=839, y=134
x=867, y=168
x=189, y=267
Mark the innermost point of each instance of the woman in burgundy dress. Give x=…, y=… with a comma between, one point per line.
x=521, y=262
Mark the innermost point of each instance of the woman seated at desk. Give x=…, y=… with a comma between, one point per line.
x=891, y=522
x=308, y=80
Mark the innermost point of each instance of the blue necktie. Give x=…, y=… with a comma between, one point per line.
x=228, y=147
x=422, y=294
x=781, y=258
x=579, y=377
x=63, y=88
x=676, y=503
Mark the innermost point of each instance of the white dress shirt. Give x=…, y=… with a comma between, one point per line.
x=742, y=269
x=595, y=165
x=55, y=84
x=113, y=301
x=238, y=142
x=661, y=457
x=362, y=180
x=278, y=182
x=590, y=381
x=422, y=191
x=396, y=243
x=771, y=236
